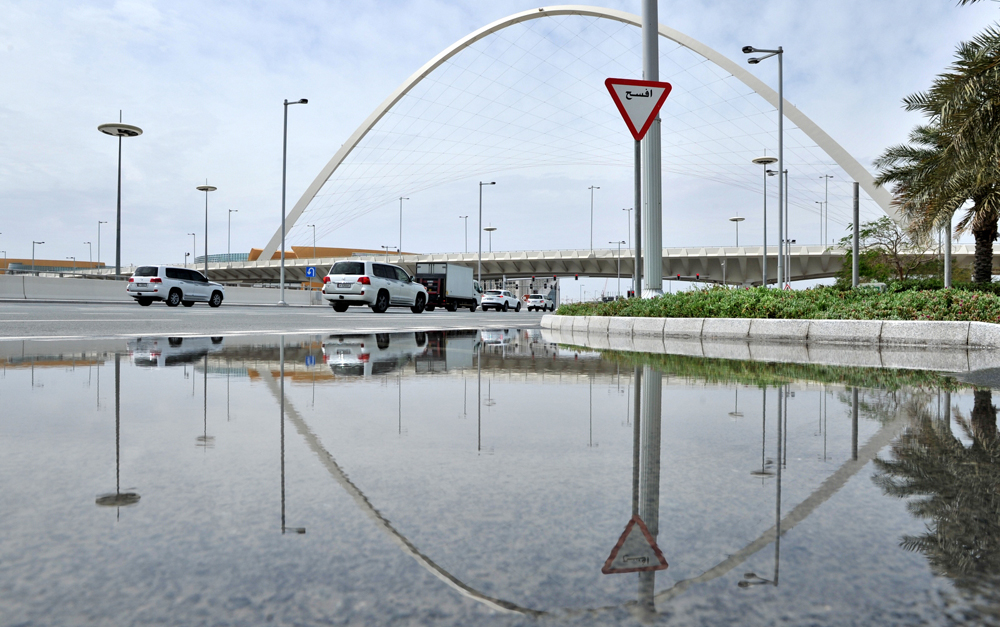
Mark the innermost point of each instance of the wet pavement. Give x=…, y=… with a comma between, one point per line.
x=485, y=477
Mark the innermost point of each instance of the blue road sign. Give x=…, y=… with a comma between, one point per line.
x=310, y=360
x=310, y=271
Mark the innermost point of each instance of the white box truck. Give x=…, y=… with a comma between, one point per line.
x=448, y=285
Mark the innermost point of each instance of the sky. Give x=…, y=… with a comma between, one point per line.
x=206, y=80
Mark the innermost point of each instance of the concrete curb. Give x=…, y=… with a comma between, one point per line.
x=872, y=333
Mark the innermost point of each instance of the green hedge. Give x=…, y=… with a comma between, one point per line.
x=818, y=303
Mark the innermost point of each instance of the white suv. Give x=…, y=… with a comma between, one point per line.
x=501, y=300
x=175, y=286
x=378, y=285
x=541, y=302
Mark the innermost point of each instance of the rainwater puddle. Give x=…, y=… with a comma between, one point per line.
x=481, y=478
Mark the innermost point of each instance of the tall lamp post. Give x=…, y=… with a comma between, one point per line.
x=619, y=242
x=229, y=234
x=194, y=249
x=99, y=223
x=401, y=199
x=490, y=230
x=284, y=170
x=780, y=53
x=737, y=220
x=90, y=254
x=74, y=263
x=313, y=227
x=466, y=218
x=629, y=229
x=33, y=255
x=825, y=218
x=119, y=130
x=206, y=188
x=764, y=161
x=592, y=188
x=479, y=268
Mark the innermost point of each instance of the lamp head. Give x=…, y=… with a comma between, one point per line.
x=748, y=49
x=765, y=160
x=753, y=61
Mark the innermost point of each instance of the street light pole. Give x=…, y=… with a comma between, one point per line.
x=629, y=227
x=737, y=220
x=99, y=223
x=479, y=269
x=206, y=188
x=490, y=230
x=466, y=218
x=764, y=161
x=401, y=199
x=313, y=227
x=33, y=255
x=119, y=130
x=825, y=218
x=619, y=242
x=284, y=171
x=780, y=53
x=194, y=249
x=229, y=235
x=90, y=254
x=592, y=188
x=74, y=263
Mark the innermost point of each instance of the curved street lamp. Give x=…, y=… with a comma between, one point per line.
x=764, y=161
x=284, y=170
x=119, y=130
x=206, y=188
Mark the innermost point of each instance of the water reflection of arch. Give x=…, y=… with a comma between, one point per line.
x=800, y=512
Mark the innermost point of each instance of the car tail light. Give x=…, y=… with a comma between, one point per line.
x=365, y=281
x=364, y=357
x=326, y=279
x=156, y=280
x=131, y=280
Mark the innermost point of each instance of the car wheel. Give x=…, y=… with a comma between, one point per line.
x=418, y=304
x=451, y=307
x=215, y=300
x=518, y=308
x=382, y=341
x=340, y=307
x=420, y=338
x=187, y=303
x=175, y=341
x=217, y=340
x=174, y=298
x=381, y=302
x=145, y=302
x=472, y=308
x=505, y=307
x=429, y=308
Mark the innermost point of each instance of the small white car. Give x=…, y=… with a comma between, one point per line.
x=541, y=302
x=377, y=285
x=501, y=300
x=373, y=354
x=174, y=286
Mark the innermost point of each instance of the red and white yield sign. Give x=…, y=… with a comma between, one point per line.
x=636, y=551
x=638, y=101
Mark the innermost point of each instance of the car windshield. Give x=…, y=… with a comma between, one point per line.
x=492, y=293
x=348, y=267
x=145, y=271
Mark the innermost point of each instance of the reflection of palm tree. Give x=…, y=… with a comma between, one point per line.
x=958, y=490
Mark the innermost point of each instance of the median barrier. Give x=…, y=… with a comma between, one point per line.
x=845, y=331
x=771, y=329
x=683, y=327
x=12, y=286
x=50, y=288
x=729, y=328
x=916, y=333
x=621, y=326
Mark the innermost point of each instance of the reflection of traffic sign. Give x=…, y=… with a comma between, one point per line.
x=638, y=102
x=310, y=271
x=636, y=551
x=310, y=360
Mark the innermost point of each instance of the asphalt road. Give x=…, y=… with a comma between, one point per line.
x=37, y=320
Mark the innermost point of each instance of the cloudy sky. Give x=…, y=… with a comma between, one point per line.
x=205, y=81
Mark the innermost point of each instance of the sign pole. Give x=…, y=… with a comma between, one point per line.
x=637, y=268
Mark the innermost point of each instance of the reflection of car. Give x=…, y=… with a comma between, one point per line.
x=501, y=300
x=378, y=285
x=161, y=352
x=367, y=355
x=496, y=336
x=541, y=302
x=175, y=286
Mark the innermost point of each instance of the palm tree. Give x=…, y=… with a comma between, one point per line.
x=954, y=158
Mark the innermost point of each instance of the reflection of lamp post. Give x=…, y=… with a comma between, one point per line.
x=204, y=440
x=763, y=472
x=299, y=530
x=752, y=579
x=736, y=413
x=119, y=130
x=118, y=499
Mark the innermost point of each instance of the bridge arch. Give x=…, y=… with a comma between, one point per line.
x=849, y=164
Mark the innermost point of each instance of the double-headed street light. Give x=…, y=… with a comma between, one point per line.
x=119, y=130
x=206, y=188
x=284, y=170
x=780, y=53
x=479, y=268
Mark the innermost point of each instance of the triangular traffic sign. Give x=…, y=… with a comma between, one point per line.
x=638, y=102
x=636, y=551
